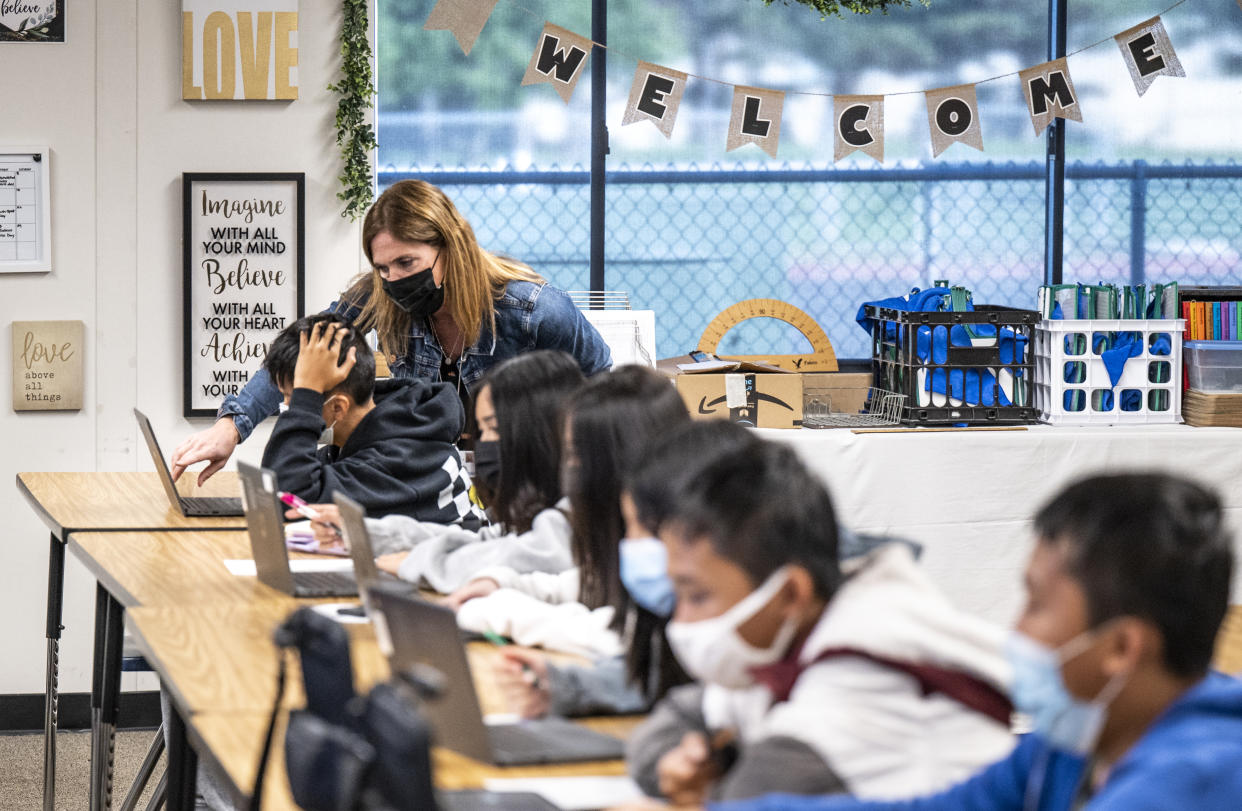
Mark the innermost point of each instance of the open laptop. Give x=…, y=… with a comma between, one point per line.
x=425, y=634
x=189, y=506
x=266, y=526
x=358, y=539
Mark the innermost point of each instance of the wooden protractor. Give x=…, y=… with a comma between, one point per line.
x=821, y=358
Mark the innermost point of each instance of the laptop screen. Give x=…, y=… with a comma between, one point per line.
x=157, y=456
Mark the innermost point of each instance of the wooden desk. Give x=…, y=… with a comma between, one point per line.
x=157, y=568
x=69, y=502
x=219, y=663
x=1229, y=643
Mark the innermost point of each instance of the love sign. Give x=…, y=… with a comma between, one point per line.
x=233, y=49
x=47, y=365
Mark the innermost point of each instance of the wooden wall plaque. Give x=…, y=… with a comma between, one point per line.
x=48, y=373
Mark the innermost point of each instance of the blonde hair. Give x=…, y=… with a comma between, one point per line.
x=416, y=211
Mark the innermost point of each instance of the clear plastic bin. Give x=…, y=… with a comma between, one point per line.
x=1214, y=366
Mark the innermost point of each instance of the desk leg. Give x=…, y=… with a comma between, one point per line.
x=51, y=695
x=182, y=771
x=105, y=691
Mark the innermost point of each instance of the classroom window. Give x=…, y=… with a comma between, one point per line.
x=691, y=228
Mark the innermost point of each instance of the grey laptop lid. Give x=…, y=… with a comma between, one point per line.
x=354, y=527
x=422, y=633
x=265, y=527
x=157, y=456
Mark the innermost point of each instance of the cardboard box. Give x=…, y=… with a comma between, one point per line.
x=748, y=393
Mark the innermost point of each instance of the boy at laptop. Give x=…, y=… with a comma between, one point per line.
x=389, y=443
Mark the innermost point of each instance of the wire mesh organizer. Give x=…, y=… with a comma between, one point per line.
x=882, y=408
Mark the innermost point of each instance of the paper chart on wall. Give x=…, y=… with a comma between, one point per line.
x=21, y=201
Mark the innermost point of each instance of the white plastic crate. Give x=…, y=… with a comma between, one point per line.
x=1072, y=385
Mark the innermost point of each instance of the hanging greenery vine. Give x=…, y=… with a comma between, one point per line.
x=833, y=8
x=353, y=134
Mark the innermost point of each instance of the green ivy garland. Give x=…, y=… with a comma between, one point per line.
x=353, y=134
x=833, y=8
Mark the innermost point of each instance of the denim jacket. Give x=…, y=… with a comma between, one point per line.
x=528, y=316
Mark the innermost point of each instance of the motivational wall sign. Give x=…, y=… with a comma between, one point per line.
x=243, y=238
x=47, y=365
x=32, y=20
x=234, y=49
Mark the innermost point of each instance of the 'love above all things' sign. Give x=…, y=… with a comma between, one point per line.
x=233, y=49
x=243, y=237
x=47, y=365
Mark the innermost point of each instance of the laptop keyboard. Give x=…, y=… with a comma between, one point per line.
x=203, y=505
x=324, y=584
x=551, y=741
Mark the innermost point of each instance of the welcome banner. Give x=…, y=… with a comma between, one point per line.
x=952, y=112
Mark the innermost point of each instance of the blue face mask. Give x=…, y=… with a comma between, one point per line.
x=644, y=573
x=1039, y=692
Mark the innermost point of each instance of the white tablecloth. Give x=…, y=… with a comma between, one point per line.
x=968, y=496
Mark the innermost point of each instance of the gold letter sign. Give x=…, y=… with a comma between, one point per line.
x=239, y=49
x=47, y=365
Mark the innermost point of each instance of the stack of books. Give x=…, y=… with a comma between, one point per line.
x=1203, y=409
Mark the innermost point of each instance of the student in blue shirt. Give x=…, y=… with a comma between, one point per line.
x=444, y=309
x=1126, y=589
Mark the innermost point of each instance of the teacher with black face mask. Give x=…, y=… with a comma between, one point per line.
x=444, y=308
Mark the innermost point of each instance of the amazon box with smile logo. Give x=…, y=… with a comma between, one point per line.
x=755, y=394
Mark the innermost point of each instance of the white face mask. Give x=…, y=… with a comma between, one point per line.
x=711, y=650
x=327, y=436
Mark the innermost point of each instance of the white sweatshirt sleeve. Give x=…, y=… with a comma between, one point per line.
x=446, y=561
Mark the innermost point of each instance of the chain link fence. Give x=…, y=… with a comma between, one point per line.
x=688, y=243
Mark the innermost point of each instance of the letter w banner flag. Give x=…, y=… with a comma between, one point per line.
x=558, y=60
x=859, y=125
x=1049, y=93
x=465, y=18
x=655, y=97
x=756, y=119
x=1148, y=53
x=953, y=115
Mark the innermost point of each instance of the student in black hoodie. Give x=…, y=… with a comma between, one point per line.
x=389, y=442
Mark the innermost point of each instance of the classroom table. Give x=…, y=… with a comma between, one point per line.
x=220, y=666
x=149, y=568
x=968, y=496
x=103, y=501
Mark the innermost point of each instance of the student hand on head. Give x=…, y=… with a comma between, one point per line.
x=475, y=588
x=686, y=771
x=523, y=680
x=318, y=352
x=214, y=445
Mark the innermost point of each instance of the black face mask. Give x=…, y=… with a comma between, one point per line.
x=417, y=293
x=487, y=463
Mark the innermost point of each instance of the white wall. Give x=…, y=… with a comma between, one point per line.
x=107, y=103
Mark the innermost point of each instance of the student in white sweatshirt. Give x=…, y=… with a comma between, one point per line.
x=610, y=425
x=813, y=677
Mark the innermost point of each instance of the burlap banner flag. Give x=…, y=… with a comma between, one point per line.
x=1049, y=93
x=756, y=119
x=465, y=18
x=655, y=97
x=558, y=60
x=860, y=125
x=1149, y=53
x=953, y=116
